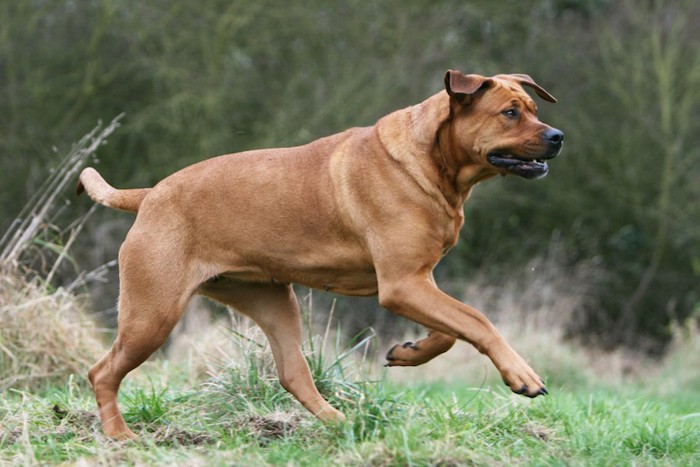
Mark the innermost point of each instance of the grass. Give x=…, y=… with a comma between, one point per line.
x=235, y=412
x=426, y=424
x=44, y=335
x=213, y=397
x=238, y=414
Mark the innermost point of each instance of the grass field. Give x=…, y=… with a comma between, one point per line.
x=238, y=415
x=212, y=397
x=432, y=424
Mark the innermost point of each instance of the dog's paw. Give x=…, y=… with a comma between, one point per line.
x=524, y=390
x=521, y=379
x=403, y=355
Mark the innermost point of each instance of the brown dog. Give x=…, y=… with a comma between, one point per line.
x=363, y=212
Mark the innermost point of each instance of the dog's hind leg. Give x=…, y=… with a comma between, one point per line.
x=275, y=309
x=151, y=301
x=419, y=352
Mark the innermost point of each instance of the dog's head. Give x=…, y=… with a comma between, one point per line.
x=495, y=123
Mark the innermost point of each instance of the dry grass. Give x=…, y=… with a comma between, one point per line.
x=681, y=364
x=206, y=344
x=44, y=336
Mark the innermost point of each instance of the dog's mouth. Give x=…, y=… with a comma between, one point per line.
x=531, y=169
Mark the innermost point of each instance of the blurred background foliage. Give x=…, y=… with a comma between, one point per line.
x=198, y=79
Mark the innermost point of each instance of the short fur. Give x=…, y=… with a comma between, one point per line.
x=363, y=212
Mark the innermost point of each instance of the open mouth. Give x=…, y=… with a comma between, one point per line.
x=531, y=169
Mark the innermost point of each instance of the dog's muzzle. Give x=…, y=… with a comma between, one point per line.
x=530, y=168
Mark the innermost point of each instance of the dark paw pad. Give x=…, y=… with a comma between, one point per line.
x=410, y=345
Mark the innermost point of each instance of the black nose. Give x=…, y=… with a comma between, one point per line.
x=553, y=136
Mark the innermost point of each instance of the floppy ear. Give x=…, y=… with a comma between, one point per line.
x=462, y=87
x=527, y=81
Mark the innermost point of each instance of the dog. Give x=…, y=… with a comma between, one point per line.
x=369, y=211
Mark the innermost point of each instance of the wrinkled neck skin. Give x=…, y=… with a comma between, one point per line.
x=458, y=169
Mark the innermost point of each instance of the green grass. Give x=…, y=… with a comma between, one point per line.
x=239, y=415
x=428, y=424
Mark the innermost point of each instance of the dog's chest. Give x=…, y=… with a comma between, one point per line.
x=451, y=232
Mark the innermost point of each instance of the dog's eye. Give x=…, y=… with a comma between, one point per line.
x=511, y=113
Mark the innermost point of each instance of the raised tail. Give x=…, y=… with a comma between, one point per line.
x=105, y=194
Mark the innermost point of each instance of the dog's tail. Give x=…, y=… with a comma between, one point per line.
x=103, y=193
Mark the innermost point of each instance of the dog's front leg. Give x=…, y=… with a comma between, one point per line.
x=418, y=299
x=421, y=351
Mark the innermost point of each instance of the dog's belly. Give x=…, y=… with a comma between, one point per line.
x=345, y=282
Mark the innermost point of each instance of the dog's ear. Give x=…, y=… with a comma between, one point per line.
x=462, y=87
x=527, y=81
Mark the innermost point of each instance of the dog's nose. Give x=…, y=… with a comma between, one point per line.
x=553, y=136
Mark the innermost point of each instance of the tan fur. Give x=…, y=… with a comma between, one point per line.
x=363, y=212
x=105, y=194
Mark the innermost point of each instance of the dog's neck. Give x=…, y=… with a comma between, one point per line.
x=460, y=171
x=432, y=158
